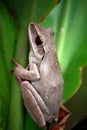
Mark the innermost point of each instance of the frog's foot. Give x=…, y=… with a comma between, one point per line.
x=26, y=73
x=17, y=64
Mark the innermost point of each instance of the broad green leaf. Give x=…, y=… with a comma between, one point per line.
x=69, y=21
x=7, y=40
x=73, y=44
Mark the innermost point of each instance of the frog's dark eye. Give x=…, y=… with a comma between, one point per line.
x=38, y=41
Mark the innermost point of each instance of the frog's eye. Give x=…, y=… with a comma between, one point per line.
x=38, y=41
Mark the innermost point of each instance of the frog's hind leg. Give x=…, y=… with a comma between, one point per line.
x=31, y=103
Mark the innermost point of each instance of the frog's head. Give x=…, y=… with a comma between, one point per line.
x=41, y=40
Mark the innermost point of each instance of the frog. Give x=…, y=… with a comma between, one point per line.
x=41, y=82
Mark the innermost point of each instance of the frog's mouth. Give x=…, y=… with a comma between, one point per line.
x=36, y=40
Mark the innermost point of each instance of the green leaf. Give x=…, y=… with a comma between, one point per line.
x=73, y=44
x=7, y=40
x=70, y=23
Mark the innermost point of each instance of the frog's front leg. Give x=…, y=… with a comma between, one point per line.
x=34, y=103
x=25, y=74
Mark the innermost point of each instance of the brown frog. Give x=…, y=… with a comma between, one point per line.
x=41, y=82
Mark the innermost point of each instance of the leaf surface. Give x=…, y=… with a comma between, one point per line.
x=7, y=41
